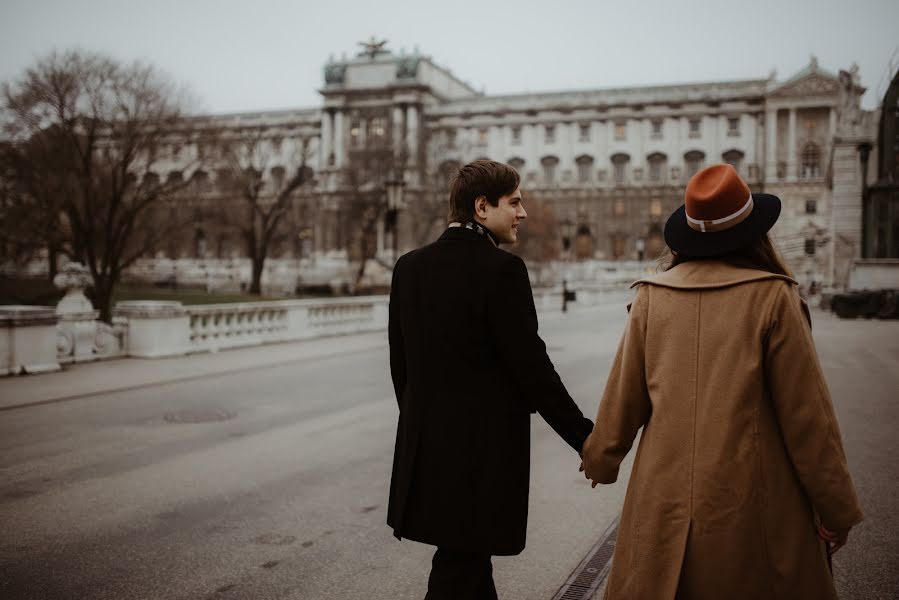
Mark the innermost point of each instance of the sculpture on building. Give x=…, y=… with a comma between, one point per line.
x=849, y=108
x=373, y=47
x=335, y=73
x=407, y=68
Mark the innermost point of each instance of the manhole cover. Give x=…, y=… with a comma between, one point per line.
x=199, y=415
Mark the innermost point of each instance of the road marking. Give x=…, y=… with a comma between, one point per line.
x=592, y=571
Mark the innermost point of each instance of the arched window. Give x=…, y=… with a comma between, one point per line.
x=175, y=178
x=150, y=180
x=516, y=163
x=200, y=181
x=734, y=158
x=658, y=164
x=584, y=168
x=224, y=179
x=550, y=169
x=619, y=166
x=693, y=162
x=810, y=161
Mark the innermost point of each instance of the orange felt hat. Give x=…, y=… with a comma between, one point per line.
x=719, y=214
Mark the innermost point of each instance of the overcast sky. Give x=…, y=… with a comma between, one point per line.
x=264, y=54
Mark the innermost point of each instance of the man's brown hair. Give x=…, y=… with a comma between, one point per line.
x=486, y=178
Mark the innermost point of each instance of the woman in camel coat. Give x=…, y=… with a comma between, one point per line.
x=740, y=482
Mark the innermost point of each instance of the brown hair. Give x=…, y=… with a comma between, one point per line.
x=760, y=254
x=486, y=178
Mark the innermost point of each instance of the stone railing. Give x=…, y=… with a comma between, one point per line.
x=168, y=328
x=40, y=339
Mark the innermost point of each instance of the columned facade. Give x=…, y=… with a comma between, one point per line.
x=613, y=163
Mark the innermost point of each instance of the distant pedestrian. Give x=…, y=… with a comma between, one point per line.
x=740, y=488
x=469, y=369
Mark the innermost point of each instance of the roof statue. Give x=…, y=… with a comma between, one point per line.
x=373, y=47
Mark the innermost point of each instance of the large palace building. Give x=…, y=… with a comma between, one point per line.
x=609, y=164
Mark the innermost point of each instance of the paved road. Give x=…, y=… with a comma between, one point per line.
x=281, y=492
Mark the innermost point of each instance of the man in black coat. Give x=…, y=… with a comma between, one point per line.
x=469, y=368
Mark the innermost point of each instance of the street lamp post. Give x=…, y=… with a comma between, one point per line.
x=395, y=191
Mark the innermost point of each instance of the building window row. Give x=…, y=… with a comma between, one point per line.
x=623, y=172
x=620, y=131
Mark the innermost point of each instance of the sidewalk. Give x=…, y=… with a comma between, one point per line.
x=87, y=379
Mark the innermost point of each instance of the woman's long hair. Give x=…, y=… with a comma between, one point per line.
x=761, y=254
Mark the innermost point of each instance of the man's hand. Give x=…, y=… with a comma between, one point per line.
x=834, y=539
x=594, y=483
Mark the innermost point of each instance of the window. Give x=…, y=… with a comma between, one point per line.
x=809, y=246
x=619, y=245
x=657, y=163
x=176, y=151
x=516, y=135
x=621, y=130
x=549, y=133
x=377, y=129
x=734, y=158
x=550, y=167
x=517, y=163
x=694, y=128
x=451, y=138
x=619, y=164
x=278, y=176
x=483, y=136
x=276, y=145
x=355, y=133
x=584, y=168
x=655, y=208
x=693, y=162
x=811, y=161
x=200, y=181
x=657, y=130
x=619, y=207
x=733, y=126
x=584, y=132
x=811, y=207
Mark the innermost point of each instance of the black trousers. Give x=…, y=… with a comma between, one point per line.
x=457, y=575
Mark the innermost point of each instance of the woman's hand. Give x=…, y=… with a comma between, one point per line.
x=834, y=539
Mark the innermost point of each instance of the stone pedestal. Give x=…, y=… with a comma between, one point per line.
x=27, y=340
x=155, y=328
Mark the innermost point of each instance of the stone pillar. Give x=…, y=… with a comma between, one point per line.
x=339, y=138
x=398, y=118
x=846, y=211
x=412, y=133
x=771, y=146
x=791, y=147
x=27, y=340
x=155, y=328
x=327, y=139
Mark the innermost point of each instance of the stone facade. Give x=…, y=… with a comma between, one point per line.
x=613, y=162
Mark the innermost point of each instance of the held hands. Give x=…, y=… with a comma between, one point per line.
x=581, y=468
x=834, y=539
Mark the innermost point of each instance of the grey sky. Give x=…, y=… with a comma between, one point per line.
x=244, y=56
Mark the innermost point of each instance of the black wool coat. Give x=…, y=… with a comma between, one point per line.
x=468, y=368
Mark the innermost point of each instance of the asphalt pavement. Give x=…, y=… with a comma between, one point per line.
x=263, y=472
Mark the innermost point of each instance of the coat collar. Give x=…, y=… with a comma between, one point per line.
x=708, y=274
x=456, y=232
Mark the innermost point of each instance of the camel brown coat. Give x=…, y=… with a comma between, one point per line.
x=740, y=451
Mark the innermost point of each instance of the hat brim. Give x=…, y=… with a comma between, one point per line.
x=685, y=240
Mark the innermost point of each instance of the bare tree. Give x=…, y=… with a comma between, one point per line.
x=94, y=128
x=263, y=189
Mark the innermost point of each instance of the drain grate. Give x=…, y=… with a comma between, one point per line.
x=593, y=570
x=202, y=415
